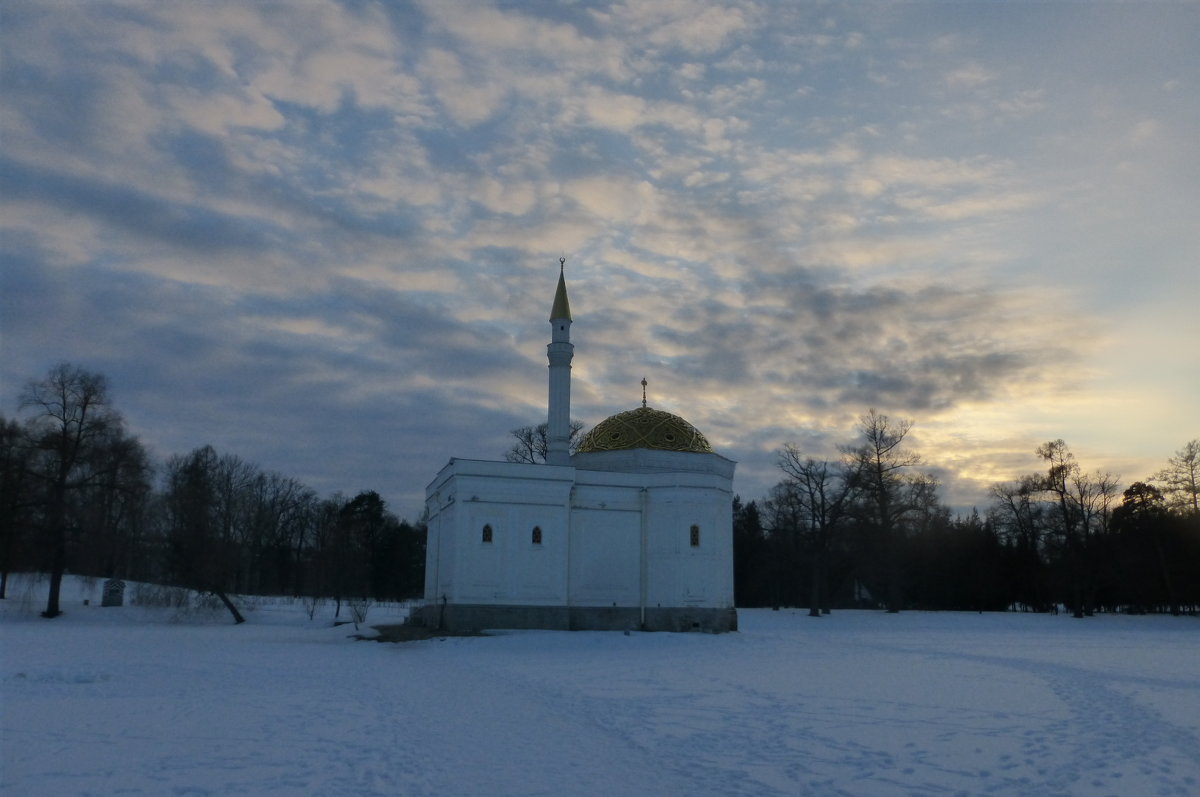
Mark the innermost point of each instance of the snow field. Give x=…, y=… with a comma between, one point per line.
x=143, y=702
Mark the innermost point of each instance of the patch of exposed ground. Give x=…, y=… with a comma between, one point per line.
x=402, y=632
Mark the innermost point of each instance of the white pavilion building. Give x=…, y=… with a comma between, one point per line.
x=632, y=531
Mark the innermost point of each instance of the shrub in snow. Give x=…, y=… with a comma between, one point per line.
x=160, y=596
x=311, y=602
x=358, y=609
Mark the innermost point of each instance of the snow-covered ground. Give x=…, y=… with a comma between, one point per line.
x=145, y=701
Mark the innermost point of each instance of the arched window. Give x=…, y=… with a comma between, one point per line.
x=487, y=532
x=537, y=535
x=695, y=536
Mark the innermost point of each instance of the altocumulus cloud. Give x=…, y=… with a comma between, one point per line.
x=323, y=236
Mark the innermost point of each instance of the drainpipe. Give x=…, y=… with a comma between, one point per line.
x=567, y=544
x=644, y=502
x=435, y=522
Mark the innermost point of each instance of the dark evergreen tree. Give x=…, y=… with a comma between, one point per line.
x=17, y=499
x=750, y=557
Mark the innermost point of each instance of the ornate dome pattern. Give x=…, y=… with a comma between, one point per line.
x=644, y=427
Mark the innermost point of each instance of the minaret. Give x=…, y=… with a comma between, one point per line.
x=559, y=352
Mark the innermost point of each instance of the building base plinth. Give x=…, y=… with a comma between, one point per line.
x=460, y=617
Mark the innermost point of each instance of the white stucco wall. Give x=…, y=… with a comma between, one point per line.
x=616, y=531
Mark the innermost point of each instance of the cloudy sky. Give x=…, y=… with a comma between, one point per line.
x=325, y=236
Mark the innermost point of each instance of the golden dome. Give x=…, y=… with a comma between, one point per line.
x=644, y=428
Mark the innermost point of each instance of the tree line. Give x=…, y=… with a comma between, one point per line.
x=80, y=494
x=867, y=528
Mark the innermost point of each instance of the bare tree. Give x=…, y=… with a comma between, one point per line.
x=1082, y=508
x=784, y=519
x=112, y=512
x=321, y=572
x=1019, y=517
x=202, y=497
x=73, y=419
x=275, y=509
x=1181, y=479
x=823, y=492
x=530, y=442
x=881, y=474
x=1016, y=510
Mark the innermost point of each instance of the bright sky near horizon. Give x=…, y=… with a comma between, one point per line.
x=325, y=236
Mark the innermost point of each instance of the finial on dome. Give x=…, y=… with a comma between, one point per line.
x=644, y=383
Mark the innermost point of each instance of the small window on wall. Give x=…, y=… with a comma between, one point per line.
x=537, y=535
x=487, y=533
x=695, y=536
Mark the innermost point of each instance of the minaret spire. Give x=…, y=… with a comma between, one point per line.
x=559, y=353
x=562, y=307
